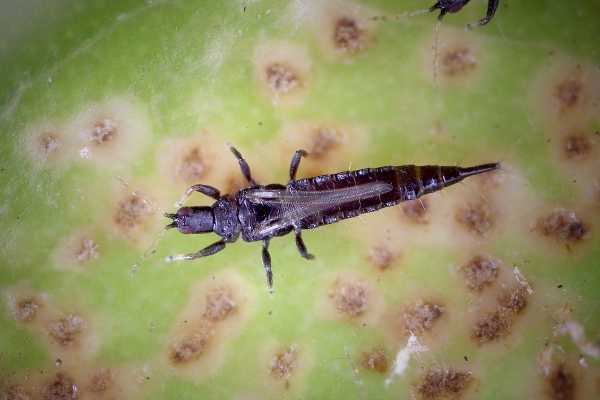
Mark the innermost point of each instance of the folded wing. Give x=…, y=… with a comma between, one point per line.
x=298, y=204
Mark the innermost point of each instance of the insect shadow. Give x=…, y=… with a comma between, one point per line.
x=261, y=212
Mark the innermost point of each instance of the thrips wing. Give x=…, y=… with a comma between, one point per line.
x=295, y=205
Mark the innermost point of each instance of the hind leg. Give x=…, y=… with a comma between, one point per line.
x=266, y=259
x=301, y=246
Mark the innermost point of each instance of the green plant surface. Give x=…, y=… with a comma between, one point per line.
x=487, y=289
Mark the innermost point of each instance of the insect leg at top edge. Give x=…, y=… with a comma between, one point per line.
x=266, y=259
x=243, y=166
x=297, y=231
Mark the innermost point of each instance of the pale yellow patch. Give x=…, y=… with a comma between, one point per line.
x=453, y=57
x=111, y=133
x=197, y=345
x=330, y=146
x=349, y=297
x=283, y=72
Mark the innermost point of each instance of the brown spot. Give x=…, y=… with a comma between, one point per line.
x=568, y=93
x=86, y=251
x=576, y=146
x=104, y=131
x=282, y=78
x=444, y=383
x=562, y=225
x=480, y=272
x=375, y=360
x=349, y=297
x=324, y=140
x=101, y=381
x=220, y=304
x=492, y=326
x=458, y=61
x=16, y=392
x=420, y=317
x=561, y=384
x=191, y=347
x=416, y=210
x=192, y=166
x=131, y=212
x=26, y=309
x=477, y=217
x=381, y=256
x=348, y=35
x=62, y=387
x=514, y=300
x=49, y=143
x=67, y=330
x=284, y=363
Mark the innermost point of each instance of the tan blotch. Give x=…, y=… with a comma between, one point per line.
x=477, y=217
x=47, y=145
x=382, y=257
x=444, y=383
x=375, y=360
x=26, y=309
x=77, y=249
x=191, y=347
x=420, y=317
x=561, y=384
x=217, y=308
x=15, y=392
x=350, y=298
x=284, y=363
x=199, y=158
x=61, y=387
x=220, y=304
x=453, y=57
x=101, y=381
x=497, y=324
x=131, y=213
x=67, y=330
x=562, y=225
x=283, y=70
x=111, y=133
x=416, y=211
x=480, y=272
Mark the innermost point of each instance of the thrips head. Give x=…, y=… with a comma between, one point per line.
x=192, y=220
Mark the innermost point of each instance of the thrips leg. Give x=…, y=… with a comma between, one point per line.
x=266, y=259
x=296, y=162
x=205, y=252
x=204, y=189
x=302, y=247
x=491, y=11
x=243, y=166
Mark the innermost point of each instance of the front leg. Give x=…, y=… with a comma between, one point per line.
x=243, y=166
x=301, y=246
x=205, y=252
x=266, y=259
x=204, y=189
x=296, y=162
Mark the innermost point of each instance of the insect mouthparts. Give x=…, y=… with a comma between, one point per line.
x=173, y=217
